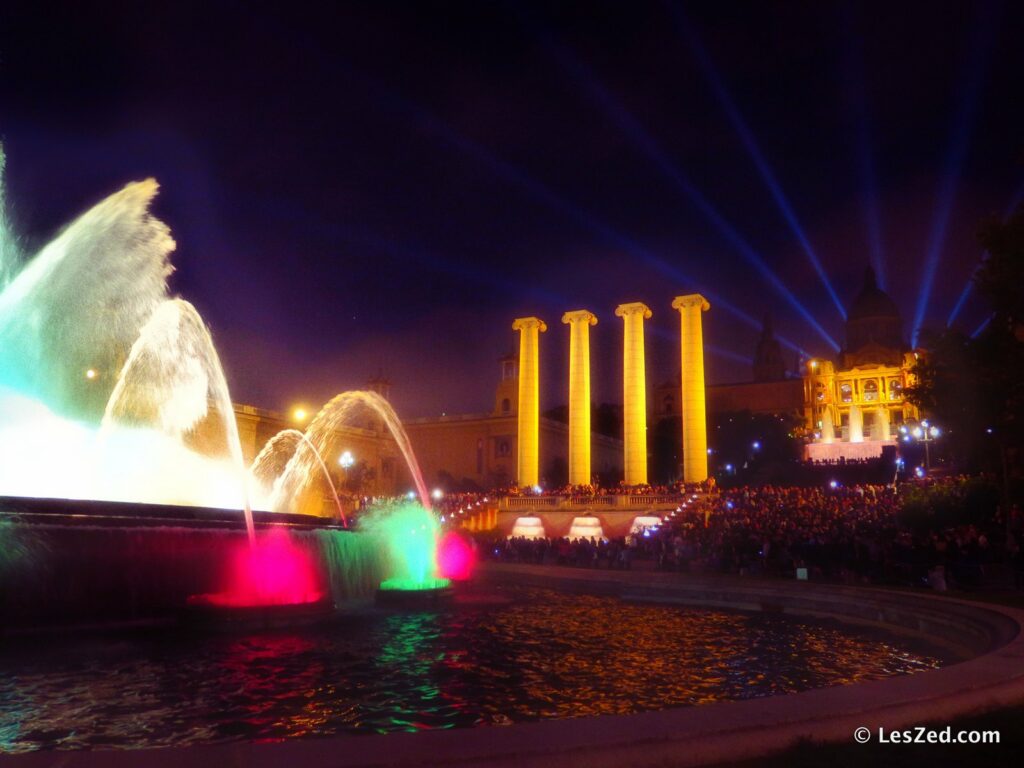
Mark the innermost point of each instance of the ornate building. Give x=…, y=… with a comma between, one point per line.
x=855, y=404
x=851, y=406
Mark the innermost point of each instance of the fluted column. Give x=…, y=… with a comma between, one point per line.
x=692, y=405
x=528, y=441
x=634, y=392
x=579, y=323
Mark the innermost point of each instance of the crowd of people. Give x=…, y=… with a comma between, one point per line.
x=592, y=490
x=849, y=534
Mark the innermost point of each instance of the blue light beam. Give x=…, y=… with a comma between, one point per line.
x=853, y=65
x=960, y=133
x=727, y=103
x=545, y=196
x=969, y=285
x=981, y=328
x=629, y=125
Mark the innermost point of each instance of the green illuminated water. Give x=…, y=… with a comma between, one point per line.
x=407, y=535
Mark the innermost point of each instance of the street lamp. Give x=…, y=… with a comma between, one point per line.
x=346, y=460
x=926, y=433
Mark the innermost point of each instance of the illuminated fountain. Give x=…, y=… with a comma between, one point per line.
x=856, y=424
x=341, y=410
x=113, y=402
x=103, y=376
x=828, y=431
x=643, y=523
x=268, y=468
x=586, y=528
x=528, y=528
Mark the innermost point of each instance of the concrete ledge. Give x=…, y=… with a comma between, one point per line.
x=989, y=637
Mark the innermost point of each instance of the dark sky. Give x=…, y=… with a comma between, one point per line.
x=387, y=186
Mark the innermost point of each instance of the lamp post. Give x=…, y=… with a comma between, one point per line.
x=346, y=460
x=926, y=433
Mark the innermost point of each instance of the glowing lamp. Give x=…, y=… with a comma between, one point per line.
x=91, y=374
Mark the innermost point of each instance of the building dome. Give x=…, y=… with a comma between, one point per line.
x=872, y=301
x=873, y=322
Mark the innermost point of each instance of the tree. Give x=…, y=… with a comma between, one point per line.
x=974, y=386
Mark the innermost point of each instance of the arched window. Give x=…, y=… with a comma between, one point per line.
x=669, y=404
x=870, y=390
x=846, y=392
x=895, y=389
x=480, y=457
x=506, y=405
x=819, y=392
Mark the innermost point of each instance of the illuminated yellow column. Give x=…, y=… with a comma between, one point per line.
x=579, y=323
x=695, y=430
x=634, y=392
x=530, y=329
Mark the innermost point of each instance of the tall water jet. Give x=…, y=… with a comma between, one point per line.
x=856, y=424
x=102, y=379
x=881, y=425
x=828, y=429
x=171, y=374
x=81, y=302
x=10, y=256
x=263, y=466
x=322, y=430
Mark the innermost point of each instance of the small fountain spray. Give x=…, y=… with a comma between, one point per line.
x=168, y=380
x=321, y=432
x=292, y=440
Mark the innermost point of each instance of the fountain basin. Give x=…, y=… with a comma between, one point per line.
x=69, y=564
x=405, y=593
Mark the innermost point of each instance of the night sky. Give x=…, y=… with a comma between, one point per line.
x=386, y=186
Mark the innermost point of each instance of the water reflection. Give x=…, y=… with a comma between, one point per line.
x=541, y=655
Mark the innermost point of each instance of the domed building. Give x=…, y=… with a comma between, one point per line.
x=855, y=404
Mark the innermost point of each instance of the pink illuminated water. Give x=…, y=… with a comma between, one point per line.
x=456, y=559
x=272, y=571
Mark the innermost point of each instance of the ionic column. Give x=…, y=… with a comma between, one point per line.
x=634, y=392
x=695, y=436
x=579, y=323
x=528, y=440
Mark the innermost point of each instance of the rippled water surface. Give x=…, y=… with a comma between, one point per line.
x=532, y=655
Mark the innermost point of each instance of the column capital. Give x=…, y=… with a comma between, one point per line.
x=691, y=300
x=524, y=323
x=580, y=316
x=633, y=308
